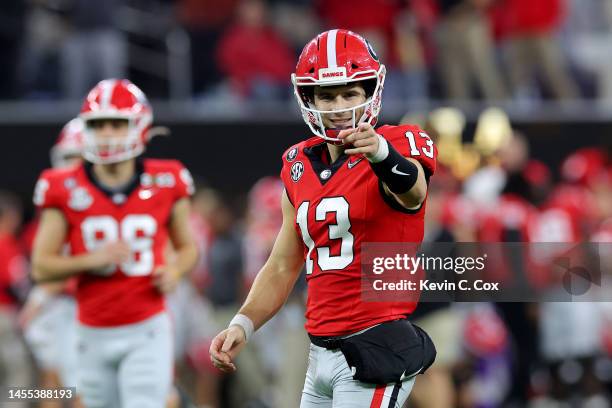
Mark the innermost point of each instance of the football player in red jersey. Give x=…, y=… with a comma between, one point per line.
x=49, y=315
x=117, y=211
x=349, y=185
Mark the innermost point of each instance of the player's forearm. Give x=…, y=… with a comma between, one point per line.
x=416, y=195
x=269, y=293
x=57, y=267
x=402, y=177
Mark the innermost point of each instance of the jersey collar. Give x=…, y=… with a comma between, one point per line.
x=126, y=190
x=323, y=170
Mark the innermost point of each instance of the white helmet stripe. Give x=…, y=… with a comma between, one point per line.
x=107, y=92
x=331, y=49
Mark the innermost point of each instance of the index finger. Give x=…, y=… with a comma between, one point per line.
x=345, y=132
x=215, y=349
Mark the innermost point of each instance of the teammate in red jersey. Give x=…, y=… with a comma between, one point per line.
x=117, y=211
x=349, y=185
x=48, y=316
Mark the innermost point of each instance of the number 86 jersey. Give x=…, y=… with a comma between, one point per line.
x=339, y=207
x=139, y=216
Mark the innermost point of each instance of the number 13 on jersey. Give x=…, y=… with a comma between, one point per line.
x=341, y=230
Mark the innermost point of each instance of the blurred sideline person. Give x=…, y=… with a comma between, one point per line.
x=570, y=333
x=467, y=52
x=117, y=211
x=439, y=319
x=285, y=368
x=223, y=284
x=348, y=185
x=15, y=364
x=94, y=48
x=49, y=314
x=191, y=338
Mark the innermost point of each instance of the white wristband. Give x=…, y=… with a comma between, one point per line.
x=382, y=152
x=246, y=324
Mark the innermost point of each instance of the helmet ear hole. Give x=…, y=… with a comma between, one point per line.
x=354, y=66
x=311, y=70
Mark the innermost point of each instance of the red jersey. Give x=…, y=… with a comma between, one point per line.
x=13, y=269
x=124, y=293
x=339, y=207
x=555, y=229
x=27, y=240
x=511, y=213
x=508, y=221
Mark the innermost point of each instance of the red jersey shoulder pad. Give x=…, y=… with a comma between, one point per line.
x=398, y=132
x=292, y=152
x=162, y=165
x=52, y=185
x=293, y=163
x=60, y=174
x=412, y=141
x=171, y=173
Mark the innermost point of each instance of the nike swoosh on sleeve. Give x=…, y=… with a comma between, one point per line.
x=396, y=171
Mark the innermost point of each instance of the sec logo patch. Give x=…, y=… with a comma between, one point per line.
x=297, y=170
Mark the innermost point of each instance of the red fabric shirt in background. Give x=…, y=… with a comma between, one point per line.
x=13, y=268
x=517, y=17
x=205, y=13
x=28, y=234
x=246, y=54
x=363, y=15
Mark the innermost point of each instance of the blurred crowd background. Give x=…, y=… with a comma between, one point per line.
x=517, y=95
x=492, y=50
